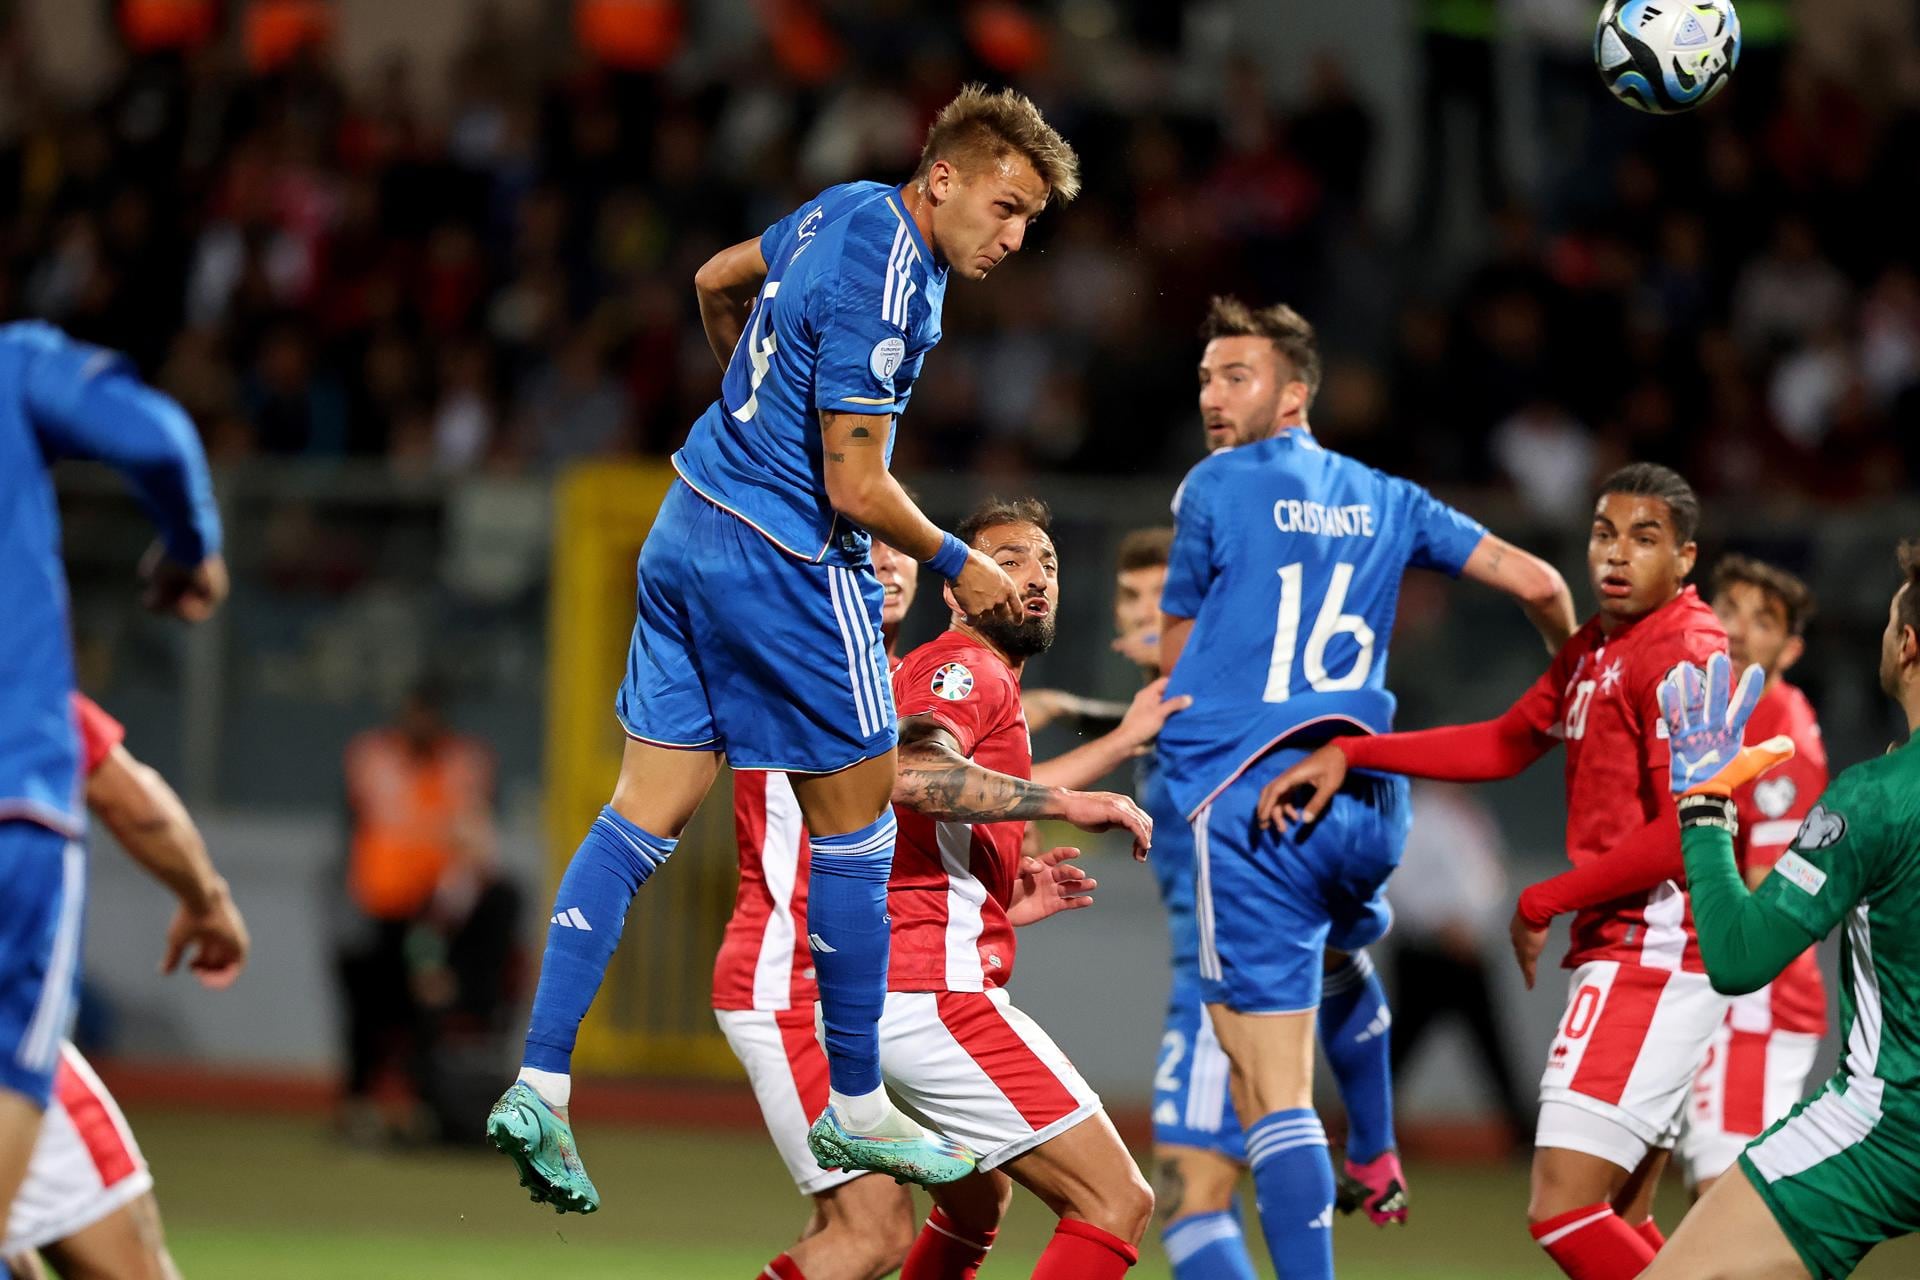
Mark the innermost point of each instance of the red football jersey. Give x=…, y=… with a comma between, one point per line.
x=1601, y=698
x=952, y=881
x=1772, y=807
x=100, y=733
x=764, y=962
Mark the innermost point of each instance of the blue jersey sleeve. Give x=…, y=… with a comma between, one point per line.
x=1443, y=538
x=85, y=402
x=860, y=326
x=1190, y=564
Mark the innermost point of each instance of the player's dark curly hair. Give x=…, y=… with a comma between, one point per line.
x=996, y=511
x=1794, y=597
x=1651, y=480
x=1146, y=549
x=1288, y=330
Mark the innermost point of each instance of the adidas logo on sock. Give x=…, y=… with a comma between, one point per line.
x=819, y=944
x=1324, y=1222
x=571, y=919
x=1378, y=1027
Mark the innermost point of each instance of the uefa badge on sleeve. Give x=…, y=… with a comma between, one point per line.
x=886, y=358
x=952, y=682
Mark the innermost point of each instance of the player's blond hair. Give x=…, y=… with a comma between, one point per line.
x=1280, y=324
x=980, y=127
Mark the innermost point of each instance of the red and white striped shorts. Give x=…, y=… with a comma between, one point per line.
x=85, y=1165
x=972, y=1066
x=1752, y=1076
x=1623, y=1060
x=788, y=1068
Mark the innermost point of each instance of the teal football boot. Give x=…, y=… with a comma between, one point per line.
x=541, y=1144
x=912, y=1154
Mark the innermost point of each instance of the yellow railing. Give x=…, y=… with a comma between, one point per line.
x=652, y=1016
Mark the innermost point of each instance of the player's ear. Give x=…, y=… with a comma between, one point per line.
x=1293, y=400
x=953, y=605
x=1791, y=651
x=1688, y=554
x=940, y=180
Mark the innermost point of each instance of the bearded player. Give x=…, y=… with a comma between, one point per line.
x=1640, y=1011
x=1763, y=1053
x=1841, y=1173
x=953, y=1048
x=1285, y=575
x=763, y=987
x=87, y=1203
x=758, y=627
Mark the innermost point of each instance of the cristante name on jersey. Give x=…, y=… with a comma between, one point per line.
x=1294, y=515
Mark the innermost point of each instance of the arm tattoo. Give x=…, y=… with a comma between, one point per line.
x=860, y=433
x=937, y=781
x=836, y=457
x=1496, y=557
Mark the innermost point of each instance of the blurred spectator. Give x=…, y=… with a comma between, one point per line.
x=1449, y=905
x=431, y=946
x=500, y=273
x=1549, y=457
x=1459, y=84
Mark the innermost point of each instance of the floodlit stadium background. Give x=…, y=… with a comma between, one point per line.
x=422, y=273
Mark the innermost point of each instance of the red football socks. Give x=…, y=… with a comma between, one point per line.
x=782, y=1268
x=942, y=1251
x=1082, y=1251
x=1650, y=1232
x=1594, y=1243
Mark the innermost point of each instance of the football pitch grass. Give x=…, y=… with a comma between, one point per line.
x=276, y=1198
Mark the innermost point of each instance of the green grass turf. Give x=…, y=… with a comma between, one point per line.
x=277, y=1199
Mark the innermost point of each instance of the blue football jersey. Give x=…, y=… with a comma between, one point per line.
x=1172, y=866
x=849, y=310
x=59, y=399
x=1288, y=557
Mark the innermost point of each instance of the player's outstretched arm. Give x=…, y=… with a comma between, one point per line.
x=1745, y=940
x=726, y=286
x=935, y=779
x=1089, y=762
x=1482, y=752
x=1535, y=585
x=854, y=449
x=153, y=826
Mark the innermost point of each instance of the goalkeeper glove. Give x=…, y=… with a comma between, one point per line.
x=1706, y=714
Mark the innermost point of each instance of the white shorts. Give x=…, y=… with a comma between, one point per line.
x=1624, y=1059
x=85, y=1165
x=1752, y=1077
x=788, y=1068
x=972, y=1066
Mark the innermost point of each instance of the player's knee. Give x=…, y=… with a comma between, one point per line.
x=1124, y=1208
x=1190, y=1183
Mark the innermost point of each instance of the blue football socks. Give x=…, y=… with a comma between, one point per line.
x=847, y=929
x=1207, y=1246
x=1293, y=1180
x=1354, y=1031
x=589, y=912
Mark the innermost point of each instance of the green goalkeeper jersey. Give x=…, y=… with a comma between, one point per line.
x=1856, y=863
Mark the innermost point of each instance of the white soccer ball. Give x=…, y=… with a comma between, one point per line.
x=1666, y=56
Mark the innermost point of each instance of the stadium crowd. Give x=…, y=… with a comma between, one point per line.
x=503, y=282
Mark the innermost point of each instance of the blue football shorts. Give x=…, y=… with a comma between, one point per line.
x=46, y=878
x=742, y=648
x=1192, y=1105
x=1269, y=902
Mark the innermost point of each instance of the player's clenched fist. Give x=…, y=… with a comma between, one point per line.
x=188, y=592
x=1105, y=811
x=984, y=591
x=1323, y=772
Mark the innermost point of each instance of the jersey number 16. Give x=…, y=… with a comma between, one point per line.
x=1330, y=622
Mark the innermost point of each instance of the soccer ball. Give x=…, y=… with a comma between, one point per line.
x=1666, y=56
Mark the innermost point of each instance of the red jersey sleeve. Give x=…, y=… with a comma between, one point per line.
x=967, y=698
x=100, y=733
